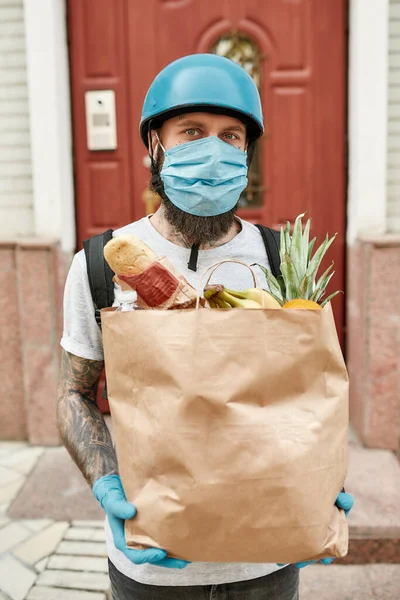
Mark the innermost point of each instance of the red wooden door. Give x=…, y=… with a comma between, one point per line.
x=122, y=44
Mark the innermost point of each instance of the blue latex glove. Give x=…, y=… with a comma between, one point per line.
x=344, y=501
x=109, y=492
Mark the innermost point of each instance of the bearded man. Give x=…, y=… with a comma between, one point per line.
x=200, y=122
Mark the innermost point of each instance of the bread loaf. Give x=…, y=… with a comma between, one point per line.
x=128, y=255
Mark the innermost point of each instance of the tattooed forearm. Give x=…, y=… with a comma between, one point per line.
x=80, y=422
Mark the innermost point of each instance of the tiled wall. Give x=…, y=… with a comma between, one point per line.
x=31, y=279
x=373, y=340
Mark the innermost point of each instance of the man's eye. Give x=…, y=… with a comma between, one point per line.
x=230, y=136
x=191, y=131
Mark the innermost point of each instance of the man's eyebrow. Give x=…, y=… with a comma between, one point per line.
x=236, y=128
x=190, y=123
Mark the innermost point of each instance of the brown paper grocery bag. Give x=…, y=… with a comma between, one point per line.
x=231, y=431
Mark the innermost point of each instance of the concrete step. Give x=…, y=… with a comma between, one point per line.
x=351, y=582
x=374, y=523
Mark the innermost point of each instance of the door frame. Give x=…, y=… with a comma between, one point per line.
x=49, y=105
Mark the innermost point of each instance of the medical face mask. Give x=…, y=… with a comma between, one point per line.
x=204, y=177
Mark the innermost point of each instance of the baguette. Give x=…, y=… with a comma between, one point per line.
x=128, y=255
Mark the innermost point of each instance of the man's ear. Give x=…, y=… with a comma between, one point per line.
x=153, y=143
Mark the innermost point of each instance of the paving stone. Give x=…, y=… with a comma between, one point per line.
x=8, y=448
x=47, y=593
x=41, y=544
x=97, y=524
x=12, y=535
x=82, y=548
x=330, y=582
x=97, y=582
x=24, y=460
x=78, y=563
x=4, y=521
x=8, y=492
x=36, y=524
x=385, y=580
x=8, y=476
x=350, y=582
x=15, y=579
x=41, y=564
x=85, y=534
x=56, y=490
x=376, y=512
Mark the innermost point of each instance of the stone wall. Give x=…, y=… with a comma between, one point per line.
x=373, y=340
x=32, y=276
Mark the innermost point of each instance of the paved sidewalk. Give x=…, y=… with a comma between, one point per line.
x=45, y=559
x=62, y=558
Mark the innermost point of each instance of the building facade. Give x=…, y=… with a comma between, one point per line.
x=329, y=78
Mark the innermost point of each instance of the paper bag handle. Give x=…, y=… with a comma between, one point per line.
x=211, y=270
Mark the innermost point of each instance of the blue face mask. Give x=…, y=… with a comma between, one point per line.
x=204, y=177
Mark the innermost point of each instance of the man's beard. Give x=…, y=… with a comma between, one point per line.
x=196, y=230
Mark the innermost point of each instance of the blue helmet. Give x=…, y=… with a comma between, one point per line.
x=206, y=82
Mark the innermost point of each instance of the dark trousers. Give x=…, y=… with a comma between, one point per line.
x=280, y=585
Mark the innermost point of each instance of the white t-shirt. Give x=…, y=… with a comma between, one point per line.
x=82, y=337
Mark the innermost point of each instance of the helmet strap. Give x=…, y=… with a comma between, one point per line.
x=156, y=180
x=251, y=147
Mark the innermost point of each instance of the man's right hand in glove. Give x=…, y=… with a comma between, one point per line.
x=109, y=492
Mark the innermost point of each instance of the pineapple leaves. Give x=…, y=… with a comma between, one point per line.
x=299, y=267
x=306, y=236
x=329, y=298
x=296, y=245
x=291, y=278
x=281, y=282
x=310, y=249
x=316, y=261
x=303, y=287
x=274, y=287
x=322, y=283
x=319, y=292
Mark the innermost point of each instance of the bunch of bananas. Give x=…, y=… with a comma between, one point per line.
x=221, y=297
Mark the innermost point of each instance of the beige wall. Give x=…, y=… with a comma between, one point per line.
x=393, y=159
x=16, y=203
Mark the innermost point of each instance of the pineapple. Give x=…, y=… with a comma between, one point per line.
x=296, y=287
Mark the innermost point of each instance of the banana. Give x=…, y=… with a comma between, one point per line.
x=210, y=293
x=212, y=303
x=257, y=295
x=220, y=302
x=211, y=290
x=237, y=302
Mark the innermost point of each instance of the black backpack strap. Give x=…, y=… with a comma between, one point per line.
x=271, y=239
x=99, y=273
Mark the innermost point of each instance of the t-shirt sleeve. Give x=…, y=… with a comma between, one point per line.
x=81, y=335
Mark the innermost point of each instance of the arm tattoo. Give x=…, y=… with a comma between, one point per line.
x=80, y=422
